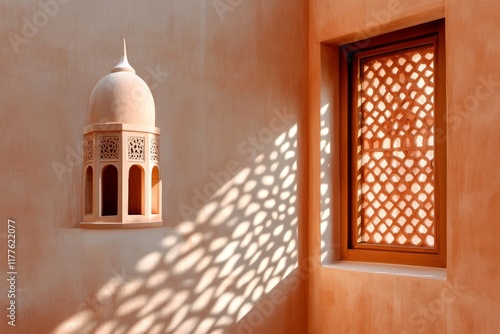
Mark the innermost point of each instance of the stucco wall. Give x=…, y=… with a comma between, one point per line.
x=465, y=298
x=229, y=80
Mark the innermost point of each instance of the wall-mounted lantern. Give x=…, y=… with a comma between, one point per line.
x=121, y=175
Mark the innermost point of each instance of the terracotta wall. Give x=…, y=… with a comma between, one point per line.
x=229, y=78
x=465, y=298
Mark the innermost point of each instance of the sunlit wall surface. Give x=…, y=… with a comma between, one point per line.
x=209, y=272
x=229, y=80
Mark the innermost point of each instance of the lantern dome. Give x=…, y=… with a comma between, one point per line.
x=121, y=97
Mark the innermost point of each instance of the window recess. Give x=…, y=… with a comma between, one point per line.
x=392, y=146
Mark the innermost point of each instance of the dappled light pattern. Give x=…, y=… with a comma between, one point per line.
x=327, y=249
x=395, y=149
x=214, y=268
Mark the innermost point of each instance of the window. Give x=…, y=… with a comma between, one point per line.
x=155, y=191
x=135, y=190
x=109, y=188
x=393, y=149
x=89, y=190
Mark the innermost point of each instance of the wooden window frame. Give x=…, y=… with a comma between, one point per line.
x=432, y=32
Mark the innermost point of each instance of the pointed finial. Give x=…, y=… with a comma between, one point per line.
x=124, y=48
x=123, y=65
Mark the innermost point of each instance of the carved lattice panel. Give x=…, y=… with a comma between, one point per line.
x=395, y=161
x=135, y=148
x=109, y=148
x=89, y=149
x=154, y=149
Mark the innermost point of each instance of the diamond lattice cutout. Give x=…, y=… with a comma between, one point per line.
x=396, y=145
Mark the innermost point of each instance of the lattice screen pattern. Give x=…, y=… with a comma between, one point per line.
x=395, y=149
